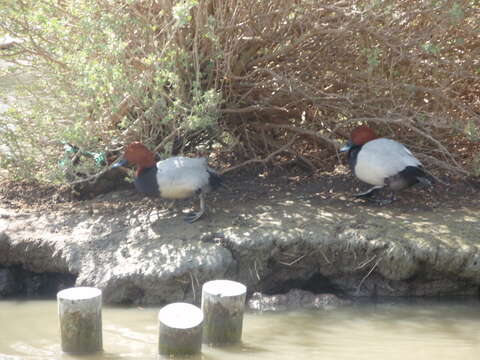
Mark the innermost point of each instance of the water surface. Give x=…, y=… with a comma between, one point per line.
x=421, y=329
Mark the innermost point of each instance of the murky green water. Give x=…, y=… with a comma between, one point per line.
x=410, y=330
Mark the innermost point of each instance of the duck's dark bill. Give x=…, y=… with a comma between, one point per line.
x=346, y=147
x=119, y=162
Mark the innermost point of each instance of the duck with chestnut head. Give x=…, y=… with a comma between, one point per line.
x=383, y=163
x=173, y=178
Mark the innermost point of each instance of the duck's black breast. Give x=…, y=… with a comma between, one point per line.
x=146, y=182
x=352, y=157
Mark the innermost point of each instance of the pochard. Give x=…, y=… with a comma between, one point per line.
x=172, y=178
x=383, y=163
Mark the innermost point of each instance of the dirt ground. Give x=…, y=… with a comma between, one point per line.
x=271, y=231
x=335, y=188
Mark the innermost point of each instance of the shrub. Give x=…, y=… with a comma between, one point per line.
x=263, y=81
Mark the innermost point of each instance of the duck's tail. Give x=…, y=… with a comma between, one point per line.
x=215, y=180
x=424, y=177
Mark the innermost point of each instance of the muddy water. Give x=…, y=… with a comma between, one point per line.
x=407, y=330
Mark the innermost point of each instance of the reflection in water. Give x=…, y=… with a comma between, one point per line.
x=421, y=329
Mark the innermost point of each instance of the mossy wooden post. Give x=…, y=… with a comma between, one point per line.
x=223, y=303
x=80, y=312
x=180, y=330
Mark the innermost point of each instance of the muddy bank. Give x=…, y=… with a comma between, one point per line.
x=273, y=238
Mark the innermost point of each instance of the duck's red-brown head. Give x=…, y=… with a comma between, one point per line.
x=362, y=135
x=137, y=154
x=359, y=136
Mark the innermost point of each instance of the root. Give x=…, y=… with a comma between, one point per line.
x=368, y=274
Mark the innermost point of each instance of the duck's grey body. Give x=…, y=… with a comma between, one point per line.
x=381, y=159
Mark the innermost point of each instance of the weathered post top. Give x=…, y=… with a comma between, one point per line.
x=180, y=315
x=224, y=288
x=79, y=293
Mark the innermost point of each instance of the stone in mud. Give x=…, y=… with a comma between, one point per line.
x=295, y=299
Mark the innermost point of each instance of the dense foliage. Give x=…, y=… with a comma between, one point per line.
x=247, y=80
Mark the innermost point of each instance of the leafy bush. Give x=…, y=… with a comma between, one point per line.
x=106, y=74
x=259, y=80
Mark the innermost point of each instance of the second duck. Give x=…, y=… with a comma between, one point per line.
x=383, y=162
x=172, y=178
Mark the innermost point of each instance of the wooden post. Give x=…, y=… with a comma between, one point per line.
x=223, y=303
x=180, y=329
x=80, y=312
